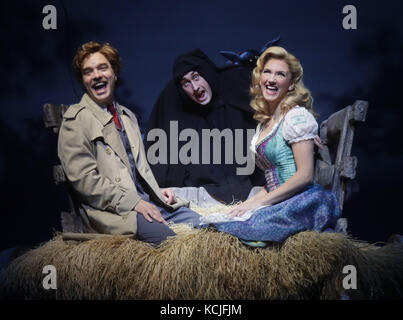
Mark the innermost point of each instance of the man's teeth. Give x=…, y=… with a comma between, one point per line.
x=99, y=85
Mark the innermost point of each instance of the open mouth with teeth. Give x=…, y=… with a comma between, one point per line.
x=271, y=90
x=100, y=87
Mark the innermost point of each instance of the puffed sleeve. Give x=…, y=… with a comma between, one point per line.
x=299, y=124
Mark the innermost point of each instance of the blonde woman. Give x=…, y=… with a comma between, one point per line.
x=290, y=201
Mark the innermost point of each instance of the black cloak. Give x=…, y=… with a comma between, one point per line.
x=228, y=108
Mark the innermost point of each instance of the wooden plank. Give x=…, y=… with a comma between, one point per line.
x=360, y=109
x=53, y=116
x=324, y=174
x=90, y=236
x=59, y=176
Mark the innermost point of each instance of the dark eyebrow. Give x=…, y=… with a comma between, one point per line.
x=191, y=75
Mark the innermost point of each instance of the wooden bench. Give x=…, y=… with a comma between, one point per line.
x=335, y=168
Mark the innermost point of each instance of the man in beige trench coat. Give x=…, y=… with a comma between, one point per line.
x=102, y=153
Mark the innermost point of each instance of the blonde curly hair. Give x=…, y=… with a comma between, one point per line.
x=299, y=95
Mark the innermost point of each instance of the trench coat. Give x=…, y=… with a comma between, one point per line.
x=97, y=167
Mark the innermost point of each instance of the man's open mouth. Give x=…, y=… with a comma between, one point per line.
x=200, y=95
x=99, y=86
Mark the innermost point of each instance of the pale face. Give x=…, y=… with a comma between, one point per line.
x=275, y=81
x=99, y=79
x=196, y=88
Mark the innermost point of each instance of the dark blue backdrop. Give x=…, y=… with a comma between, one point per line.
x=340, y=66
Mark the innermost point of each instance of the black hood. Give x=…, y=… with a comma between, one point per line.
x=196, y=60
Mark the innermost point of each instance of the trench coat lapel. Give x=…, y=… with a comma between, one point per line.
x=131, y=133
x=109, y=131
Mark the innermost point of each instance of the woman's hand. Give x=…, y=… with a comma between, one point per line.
x=240, y=209
x=168, y=195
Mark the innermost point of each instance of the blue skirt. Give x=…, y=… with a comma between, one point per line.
x=313, y=209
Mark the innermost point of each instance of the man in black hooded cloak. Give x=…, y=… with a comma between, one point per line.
x=227, y=108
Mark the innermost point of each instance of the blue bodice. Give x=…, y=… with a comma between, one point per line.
x=275, y=157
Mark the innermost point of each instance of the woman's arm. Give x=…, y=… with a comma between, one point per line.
x=303, y=155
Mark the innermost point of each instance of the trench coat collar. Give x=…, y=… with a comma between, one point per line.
x=97, y=111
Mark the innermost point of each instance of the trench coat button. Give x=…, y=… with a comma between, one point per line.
x=117, y=179
x=108, y=151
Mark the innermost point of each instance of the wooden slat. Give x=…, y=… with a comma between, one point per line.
x=90, y=236
x=53, y=116
x=59, y=176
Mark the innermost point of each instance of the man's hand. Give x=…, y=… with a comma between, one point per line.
x=169, y=196
x=149, y=211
